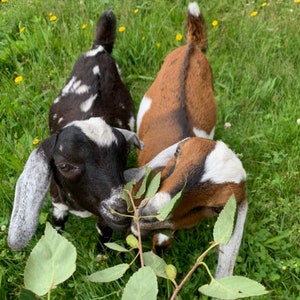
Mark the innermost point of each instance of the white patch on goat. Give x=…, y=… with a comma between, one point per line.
x=97, y=130
x=60, y=120
x=60, y=148
x=222, y=165
x=194, y=9
x=81, y=213
x=56, y=100
x=162, y=238
x=82, y=89
x=144, y=107
x=131, y=123
x=75, y=85
x=60, y=210
x=201, y=133
x=87, y=104
x=68, y=86
x=54, y=117
x=96, y=70
x=94, y=52
x=119, y=70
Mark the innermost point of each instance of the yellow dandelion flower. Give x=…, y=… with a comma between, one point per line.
x=158, y=45
x=254, y=14
x=84, y=26
x=53, y=18
x=214, y=23
x=22, y=29
x=178, y=37
x=297, y=1
x=18, y=79
x=3, y=1
x=122, y=28
x=50, y=14
x=143, y=38
x=36, y=141
x=264, y=4
x=136, y=11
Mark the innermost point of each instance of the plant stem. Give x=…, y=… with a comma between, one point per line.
x=136, y=220
x=192, y=270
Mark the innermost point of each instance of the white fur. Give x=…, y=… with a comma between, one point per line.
x=94, y=52
x=97, y=130
x=60, y=210
x=131, y=123
x=162, y=238
x=203, y=134
x=87, y=104
x=60, y=120
x=81, y=213
x=96, y=70
x=144, y=107
x=82, y=89
x=229, y=252
x=68, y=86
x=56, y=100
x=222, y=165
x=194, y=9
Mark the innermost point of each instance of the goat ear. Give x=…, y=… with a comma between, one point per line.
x=132, y=138
x=30, y=191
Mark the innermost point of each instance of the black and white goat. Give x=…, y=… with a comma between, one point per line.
x=176, y=118
x=91, y=123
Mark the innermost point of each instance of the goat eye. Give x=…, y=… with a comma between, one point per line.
x=177, y=151
x=65, y=167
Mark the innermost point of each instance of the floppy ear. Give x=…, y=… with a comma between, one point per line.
x=131, y=137
x=30, y=191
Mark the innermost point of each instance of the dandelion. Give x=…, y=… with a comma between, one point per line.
x=143, y=38
x=254, y=14
x=214, y=23
x=18, y=79
x=264, y=4
x=53, y=18
x=136, y=11
x=3, y=1
x=122, y=28
x=158, y=45
x=297, y=1
x=22, y=29
x=36, y=141
x=227, y=125
x=84, y=26
x=178, y=37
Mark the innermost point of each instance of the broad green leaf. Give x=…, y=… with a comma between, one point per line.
x=144, y=184
x=153, y=186
x=116, y=247
x=157, y=264
x=109, y=274
x=224, y=225
x=27, y=295
x=169, y=207
x=233, y=287
x=51, y=262
x=141, y=285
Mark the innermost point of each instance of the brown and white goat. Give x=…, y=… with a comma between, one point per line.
x=85, y=156
x=175, y=120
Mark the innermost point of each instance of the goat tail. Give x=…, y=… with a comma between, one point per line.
x=105, y=33
x=196, y=28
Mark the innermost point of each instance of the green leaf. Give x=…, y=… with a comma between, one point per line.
x=169, y=207
x=27, y=295
x=51, y=262
x=157, y=264
x=141, y=285
x=153, y=186
x=233, y=287
x=144, y=184
x=128, y=189
x=109, y=274
x=224, y=226
x=116, y=247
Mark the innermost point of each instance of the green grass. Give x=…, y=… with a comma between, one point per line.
x=255, y=61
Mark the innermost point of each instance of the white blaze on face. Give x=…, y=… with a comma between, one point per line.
x=222, y=165
x=97, y=130
x=144, y=107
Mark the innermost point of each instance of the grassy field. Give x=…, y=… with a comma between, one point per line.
x=255, y=57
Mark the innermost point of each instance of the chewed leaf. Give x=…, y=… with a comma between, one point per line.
x=141, y=285
x=224, y=225
x=153, y=186
x=109, y=274
x=116, y=247
x=144, y=184
x=169, y=207
x=233, y=287
x=51, y=262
